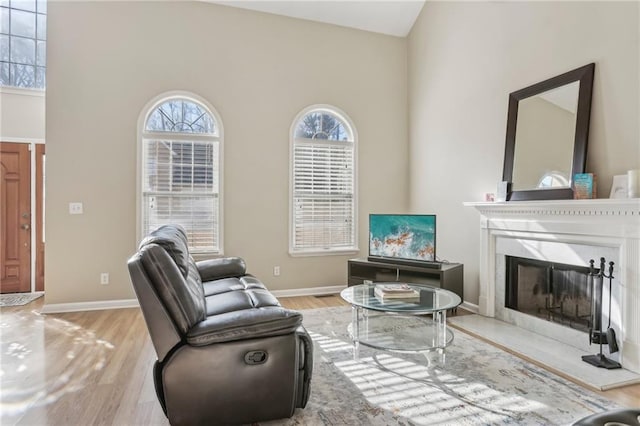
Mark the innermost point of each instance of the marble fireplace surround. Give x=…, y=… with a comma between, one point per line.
x=572, y=232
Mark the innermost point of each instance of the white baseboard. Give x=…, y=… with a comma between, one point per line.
x=58, y=308
x=313, y=291
x=470, y=307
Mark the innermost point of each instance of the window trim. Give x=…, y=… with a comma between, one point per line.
x=142, y=134
x=292, y=139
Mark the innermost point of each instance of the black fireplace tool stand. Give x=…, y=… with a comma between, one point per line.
x=596, y=334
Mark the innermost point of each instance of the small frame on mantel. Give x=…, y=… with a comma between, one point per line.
x=619, y=188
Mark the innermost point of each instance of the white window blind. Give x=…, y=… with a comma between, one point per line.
x=323, y=187
x=180, y=173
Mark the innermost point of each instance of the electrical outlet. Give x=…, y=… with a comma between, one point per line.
x=75, y=208
x=276, y=271
x=104, y=278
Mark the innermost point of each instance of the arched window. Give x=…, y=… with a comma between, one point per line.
x=323, y=186
x=181, y=143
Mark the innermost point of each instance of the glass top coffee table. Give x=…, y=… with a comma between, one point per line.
x=402, y=324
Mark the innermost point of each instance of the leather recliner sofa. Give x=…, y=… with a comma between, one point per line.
x=227, y=351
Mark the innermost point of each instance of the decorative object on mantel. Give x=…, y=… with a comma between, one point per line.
x=633, y=183
x=596, y=334
x=540, y=158
x=503, y=191
x=584, y=186
x=619, y=187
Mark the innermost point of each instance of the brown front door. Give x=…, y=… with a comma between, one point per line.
x=15, y=218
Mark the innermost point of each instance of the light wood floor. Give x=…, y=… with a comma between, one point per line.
x=94, y=368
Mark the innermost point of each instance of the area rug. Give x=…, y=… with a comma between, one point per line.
x=18, y=299
x=473, y=384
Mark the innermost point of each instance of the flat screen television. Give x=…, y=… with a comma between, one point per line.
x=403, y=238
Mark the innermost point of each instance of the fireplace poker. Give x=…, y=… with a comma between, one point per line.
x=611, y=333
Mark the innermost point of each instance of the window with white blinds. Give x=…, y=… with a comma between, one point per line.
x=323, y=198
x=181, y=172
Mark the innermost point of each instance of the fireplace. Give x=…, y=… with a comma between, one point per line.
x=555, y=292
x=562, y=235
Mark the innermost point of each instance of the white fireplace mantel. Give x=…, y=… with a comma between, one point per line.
x=613, y=224
x=624, y=214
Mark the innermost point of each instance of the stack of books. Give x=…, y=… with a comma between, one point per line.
x=399, y=292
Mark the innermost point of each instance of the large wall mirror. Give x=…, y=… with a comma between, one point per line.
x=547, y=133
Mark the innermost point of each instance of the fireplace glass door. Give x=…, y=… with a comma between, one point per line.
x=555, y=292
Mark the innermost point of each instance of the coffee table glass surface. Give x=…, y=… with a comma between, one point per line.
x=401, y=324
x=432, y=299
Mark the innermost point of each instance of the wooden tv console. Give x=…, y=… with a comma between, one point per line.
x=449, y=276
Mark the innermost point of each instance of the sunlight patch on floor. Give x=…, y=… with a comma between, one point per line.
x=33, y=372
x=425, y=393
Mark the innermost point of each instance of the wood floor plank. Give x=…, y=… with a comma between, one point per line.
x=106, y=358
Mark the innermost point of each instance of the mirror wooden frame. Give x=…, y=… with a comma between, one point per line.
x=585, y=76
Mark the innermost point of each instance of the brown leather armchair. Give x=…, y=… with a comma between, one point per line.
x=227, y=351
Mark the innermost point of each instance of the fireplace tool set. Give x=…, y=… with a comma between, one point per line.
x=596, y=334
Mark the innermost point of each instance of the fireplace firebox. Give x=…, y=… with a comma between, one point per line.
x=555, y=292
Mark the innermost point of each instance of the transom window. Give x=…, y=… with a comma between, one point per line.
x=323, y=208
x=181, y=171
x=181, y=116
x=23, y=35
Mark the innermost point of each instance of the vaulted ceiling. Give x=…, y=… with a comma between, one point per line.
x=386, y=17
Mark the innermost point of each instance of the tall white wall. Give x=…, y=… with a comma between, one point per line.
x=464, y=60
x=106, y=60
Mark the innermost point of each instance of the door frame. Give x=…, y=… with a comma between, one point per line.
x=35, y=226
x=37, y=217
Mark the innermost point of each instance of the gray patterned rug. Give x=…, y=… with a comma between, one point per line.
x=476, y=384
x=18, y=299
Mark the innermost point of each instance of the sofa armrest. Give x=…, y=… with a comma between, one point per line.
x=224, y=267
x=244, y=324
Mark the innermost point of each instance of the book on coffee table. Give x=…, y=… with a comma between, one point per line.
x=394, y=288
x=399, y=292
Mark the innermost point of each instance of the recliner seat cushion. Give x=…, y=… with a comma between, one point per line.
x=232, y=294
x=244, y=324
x=239, y=301
x=224, y=285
